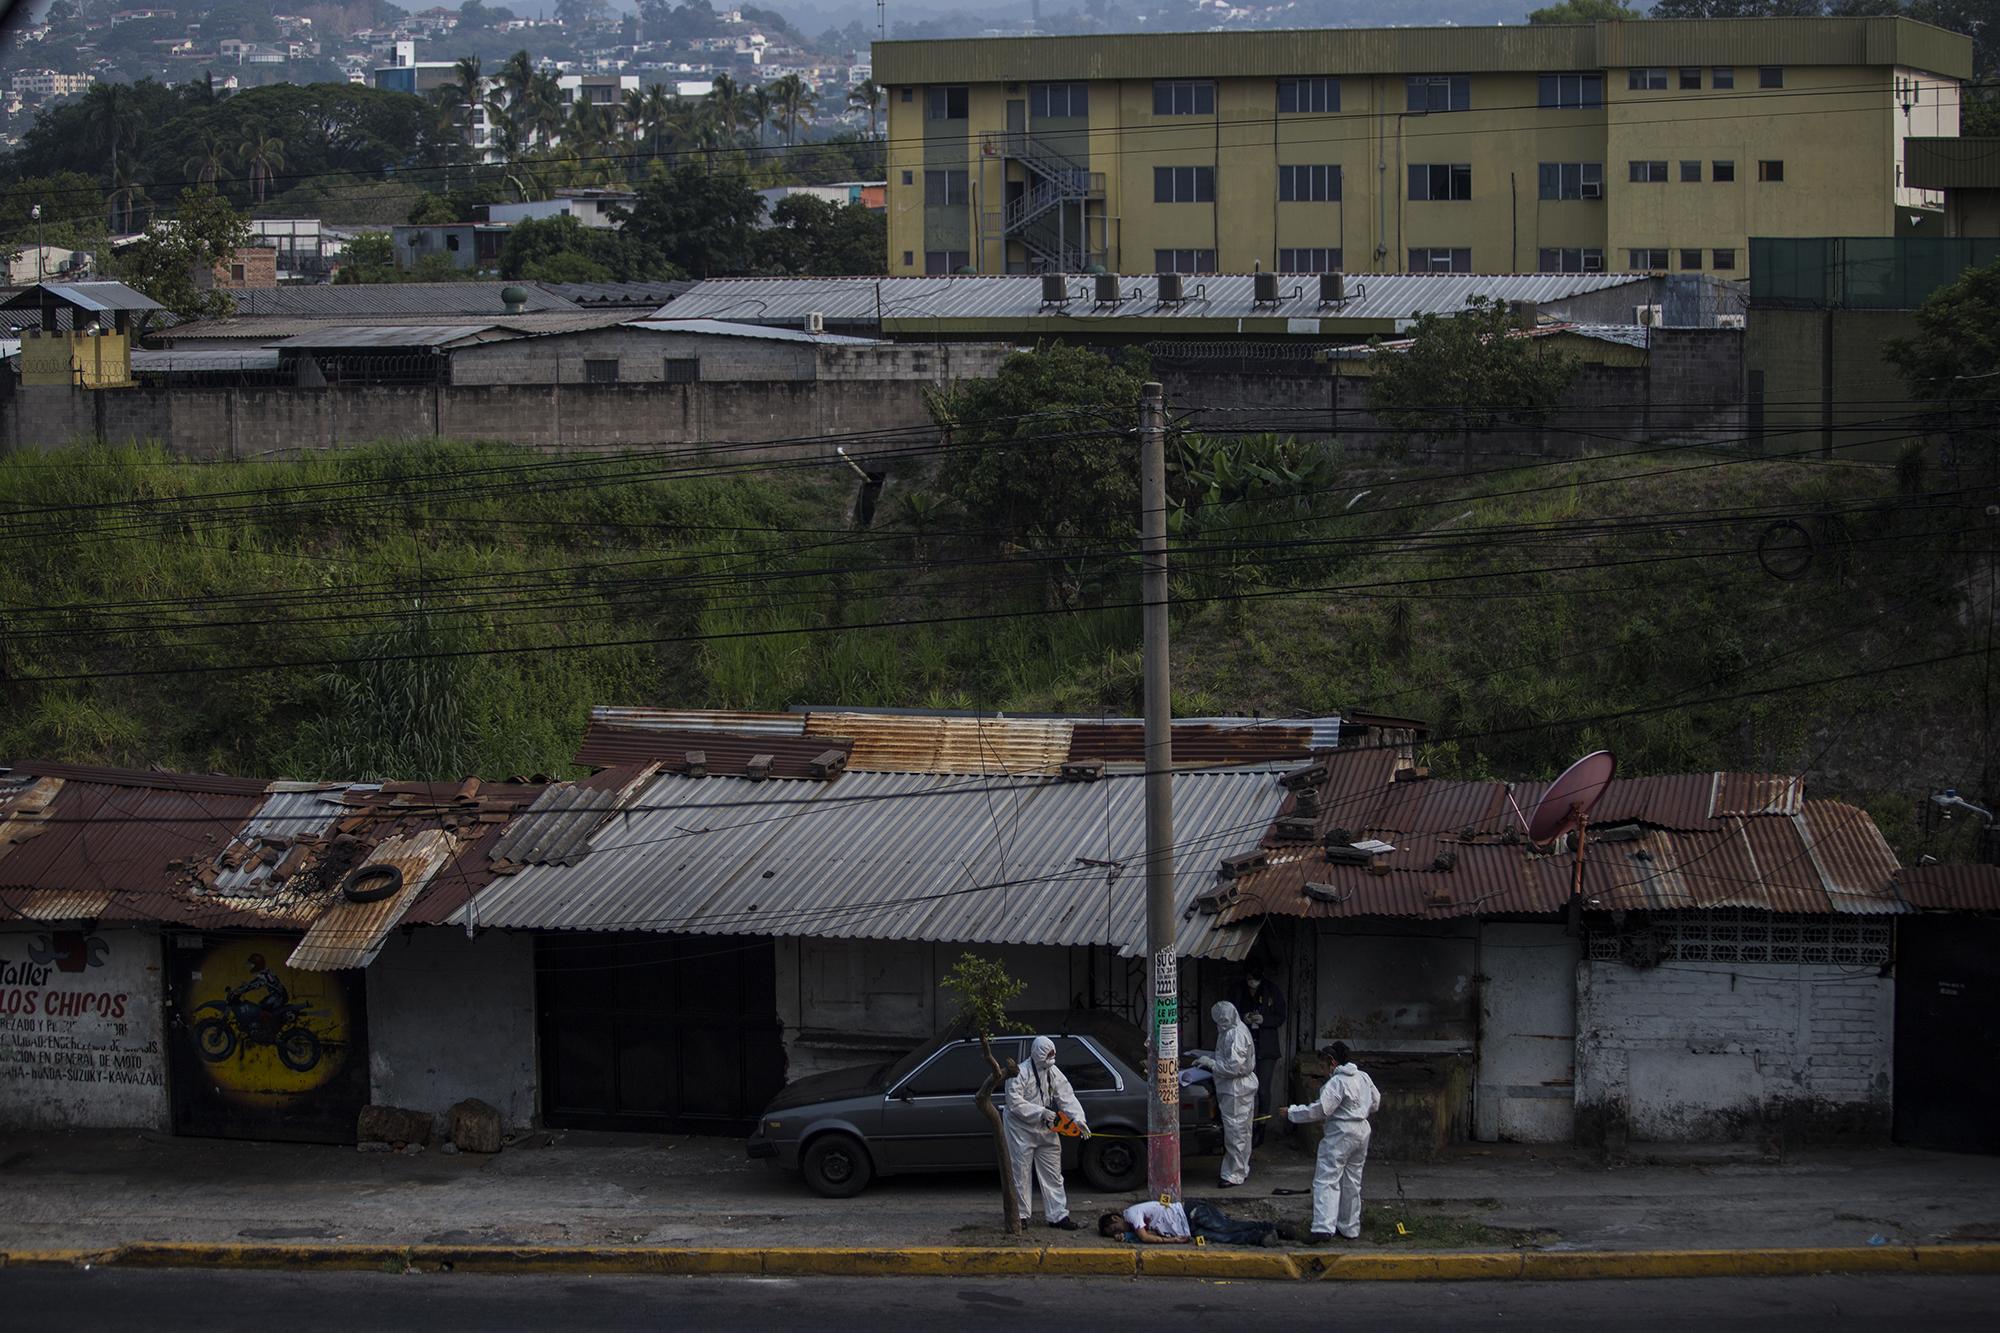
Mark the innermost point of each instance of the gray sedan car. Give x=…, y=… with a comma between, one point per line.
x=842, y=1129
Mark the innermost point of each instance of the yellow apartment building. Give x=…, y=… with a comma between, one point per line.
x=1643, y=145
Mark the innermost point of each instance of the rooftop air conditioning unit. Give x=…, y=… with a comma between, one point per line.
x=815, y=321
x=1729, y=321
x=1332, y=288
x=1107, y=289
x=1267, y=288
x=1055, y=289
x=1170, y=288
x=1648, y=315
x=1591, y=190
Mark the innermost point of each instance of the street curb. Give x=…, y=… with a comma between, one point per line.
x=969, y=1261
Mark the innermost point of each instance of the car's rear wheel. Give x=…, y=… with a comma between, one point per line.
x=1114, y=1166
x=837, y=1166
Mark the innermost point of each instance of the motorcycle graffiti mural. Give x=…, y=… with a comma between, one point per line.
x=262, y=1050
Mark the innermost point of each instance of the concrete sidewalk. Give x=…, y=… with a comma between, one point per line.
x=100, y=1190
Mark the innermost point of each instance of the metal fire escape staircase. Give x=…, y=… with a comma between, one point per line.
x=1054, y=181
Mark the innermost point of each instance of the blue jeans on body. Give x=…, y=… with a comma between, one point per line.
x=1209, y=1221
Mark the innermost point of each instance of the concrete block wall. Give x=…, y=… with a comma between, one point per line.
x=641, y=358
x=1686, y=1052
x=451, y=1018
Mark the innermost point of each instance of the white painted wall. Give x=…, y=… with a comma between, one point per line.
x=451, y=1018
x=1705, y=1051
x=1526, y=1087
x=1390, y=985
x=80, y=1035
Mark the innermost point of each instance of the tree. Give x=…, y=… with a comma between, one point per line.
x=371, y=257
x=984, y=990
x=562, y=249
x=809, y=236
x=866, y=96
x=1466, y=372
x=165, y=262
x=262, y=158
x=205, y=163
x=579, y=14
x=1953, y=359
x=1584, y=11
x=110, y=122
x=793, y=101
x=1043, y=451
x=703, y=223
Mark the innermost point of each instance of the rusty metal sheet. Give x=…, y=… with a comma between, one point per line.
x=1758, y=794
x=700, y=719
x=1195, y=744
x=891, y=743
x=1676, y=801
x=727, y=754
x=61, y=905
x=349, y=934
x=1784, y=867
x=1438, y=805
x=214, y=784
x=1951, y=888
x=105, y=837
x=1852, y=857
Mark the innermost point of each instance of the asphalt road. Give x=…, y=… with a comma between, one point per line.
x=114, y=1299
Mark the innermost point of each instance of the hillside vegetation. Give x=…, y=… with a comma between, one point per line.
x=437, y=610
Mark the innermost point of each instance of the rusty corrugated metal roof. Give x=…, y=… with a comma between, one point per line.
x=895, y=743
x=726, y=754
x=1854, y=860
x=144, y=779
x=1758, y=794
x=700, y=719
x=1951, y=888
x=129, y=841
x=349, y=934
x=1196, y=744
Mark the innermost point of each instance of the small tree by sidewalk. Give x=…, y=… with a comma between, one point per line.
x=984, y=990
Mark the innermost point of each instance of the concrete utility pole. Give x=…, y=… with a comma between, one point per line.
x=1163, y=1117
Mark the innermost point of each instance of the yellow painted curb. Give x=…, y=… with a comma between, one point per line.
x=1213, y=1263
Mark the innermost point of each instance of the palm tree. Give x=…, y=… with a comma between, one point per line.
x=512, y=87
x=730, y=108
x=206, y=163
x=794, y=101
x=545, y=108
x=661, y=109
x=760, y=109
x=262, y=157
x=866, y=96
x=110, y=128
x=632, y=113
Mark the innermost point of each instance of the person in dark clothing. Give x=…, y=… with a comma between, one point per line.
x=1261, y=1005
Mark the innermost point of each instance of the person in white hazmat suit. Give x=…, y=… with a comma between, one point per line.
x=1234, y=1065
x=1035, y=1095
x=1345, y=1104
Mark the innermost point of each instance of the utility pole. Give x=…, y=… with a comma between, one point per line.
x=1163, y=1115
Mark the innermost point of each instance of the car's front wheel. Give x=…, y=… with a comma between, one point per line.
x=837, y=1166
x=1114, y=1166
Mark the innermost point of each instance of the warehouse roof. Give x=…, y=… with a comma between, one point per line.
x=346, y=300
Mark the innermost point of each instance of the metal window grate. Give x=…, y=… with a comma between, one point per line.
x=1752, y=937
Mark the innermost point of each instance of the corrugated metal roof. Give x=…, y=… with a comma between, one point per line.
x=720, y=328
x=343, y=301
x=284, y=815
x=1197, y=744
x=1951, y=888
x=724, y=754
x=888, y=743
x=191, y=360
x=700, y=719
x=1854, y=860
x=1951, y=164
x=919, y=303
x=896, y=856
x=370, y=336
x=350, y=934
x=273, y=328
x=127, y=848
x=629, y=295
x=91, y=296
x=1433, y=50
x=556, y=827
x=142, y=779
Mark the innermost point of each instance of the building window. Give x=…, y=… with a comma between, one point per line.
x=1184, y=97
x=1439, y=92
x=909, y=94
x=1319, y=260
x=236, y=273
x=1441, y=181
x=1317, y=185
x=596, y=371
x=1570, y=90
x=944, y=189
x=1183, y=185
x=682, y=370
x=1648, y=173
x=1649, y=259
x=1691, y=79
x=1571, y=180
x=909, y=258
x=1721, y=171
x=937, y=263
x=1308, y=95
x=1740, y=936
x=1055, y=101
x=1690, y=259
x=1771, y=76
x=1572, y=260
x=1690, y=171
x=949, y=103
x=909, y=178
x=1722, y=76
x=1725, y=260
x=1183, y=261
x=1440, y=259
x=1770, y=169
x=1652, y=79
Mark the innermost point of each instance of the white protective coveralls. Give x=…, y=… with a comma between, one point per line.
x=1345, y=1104
x=1034, y=1096
x=1234, y=1065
